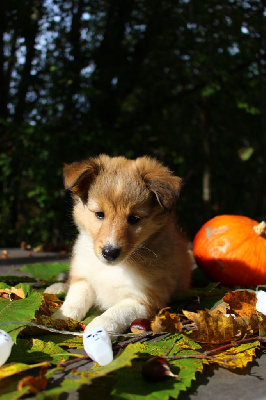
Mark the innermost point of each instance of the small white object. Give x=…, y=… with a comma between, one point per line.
x=261, y=301
x=98, y=345
x=229, y=315
x=6, y=344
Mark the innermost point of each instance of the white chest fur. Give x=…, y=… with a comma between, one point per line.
x=111, y=283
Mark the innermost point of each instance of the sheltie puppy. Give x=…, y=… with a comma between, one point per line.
x=129, y=257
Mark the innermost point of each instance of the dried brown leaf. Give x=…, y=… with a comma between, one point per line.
x=242, y=303
x=215, y=327
x=166, y=322
x=43, y=316
x=36, y=384
x=221, y=306
x=49, y=305
x=262, y=324
x=238, y=356
x=12, y=293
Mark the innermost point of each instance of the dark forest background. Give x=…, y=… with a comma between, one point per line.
x=180, y=80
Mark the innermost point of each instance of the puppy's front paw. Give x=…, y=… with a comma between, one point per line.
x=69, y=312
x=107, y=323
x=57, y=288
x=59, y=315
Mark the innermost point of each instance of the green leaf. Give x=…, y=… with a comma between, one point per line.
x=248, y=108
x=124, y=359
x=130, y=383
x=239, y=356
x=27, y=289
x=68, y=385
x=69, y=341
x=18, y=310
x=91, y=315
x=4, y=285
x=45, y=272
x=208, y=296
x=245, y=153
x=36, y=350
x=78, y=379
x=13, y=279
x=210, y=89
x=15, y=368
x=10, y=392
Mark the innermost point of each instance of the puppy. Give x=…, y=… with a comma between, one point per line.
x=129, y=257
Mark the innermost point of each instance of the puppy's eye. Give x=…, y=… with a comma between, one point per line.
x=133, y=219
x=99, y=215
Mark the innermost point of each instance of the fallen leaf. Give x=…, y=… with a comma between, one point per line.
x=262, y=324
x=220, y=306
x=77, y=379
x=241, y=302
x=45, y=272
x=12, y=293
x=4, y=254
x=49, y=304
x=33, y=350
x=129, y=383
x=215, y=327
x=15, y=368
x=166, y=322
x=35, y=384
x=238, y=356
x=23, y=245
x=22, y=310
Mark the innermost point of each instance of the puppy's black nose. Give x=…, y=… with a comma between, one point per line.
x=110, y=253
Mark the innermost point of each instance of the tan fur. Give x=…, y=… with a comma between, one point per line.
x=153, y=262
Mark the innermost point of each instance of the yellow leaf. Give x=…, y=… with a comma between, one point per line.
x=215, y=327
x=34, y=384
x=262, y=324
x=15, y=368
x=241, y=302
x=237, y=357
x=12, y=293
x=49, y=304
x=166, y=322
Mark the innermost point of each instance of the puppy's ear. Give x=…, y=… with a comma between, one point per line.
x=78, y=176
x=161, y=181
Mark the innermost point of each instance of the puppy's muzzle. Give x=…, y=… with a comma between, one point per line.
x=110, y=253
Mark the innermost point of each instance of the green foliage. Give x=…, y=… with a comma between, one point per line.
x=46, y=272
x=131, y=385
x=122, y=378
x=23, y=310
x=33, y=351
x=182, y=81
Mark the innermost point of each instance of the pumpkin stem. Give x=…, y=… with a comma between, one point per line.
x=260, y=229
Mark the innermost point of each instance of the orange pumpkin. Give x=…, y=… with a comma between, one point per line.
x=231, y=249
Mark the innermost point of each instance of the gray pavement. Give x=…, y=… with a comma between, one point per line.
x=214, y=383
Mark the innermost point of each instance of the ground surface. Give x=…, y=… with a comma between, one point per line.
x=213, y=384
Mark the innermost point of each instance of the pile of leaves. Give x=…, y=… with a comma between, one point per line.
x=209, y=326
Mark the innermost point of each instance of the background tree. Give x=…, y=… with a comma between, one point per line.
x=182, y=81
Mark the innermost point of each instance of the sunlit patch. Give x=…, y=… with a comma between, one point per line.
x=221, y=246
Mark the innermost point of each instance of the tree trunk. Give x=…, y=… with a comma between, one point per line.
x=261, y=205
x=30, y=38
x=3, y=83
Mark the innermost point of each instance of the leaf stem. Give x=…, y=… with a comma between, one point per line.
x=171, y=348
x=69, y=362
x=140, y=336
x=208, y=354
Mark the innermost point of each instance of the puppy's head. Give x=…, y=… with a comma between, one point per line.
x=121, y=203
